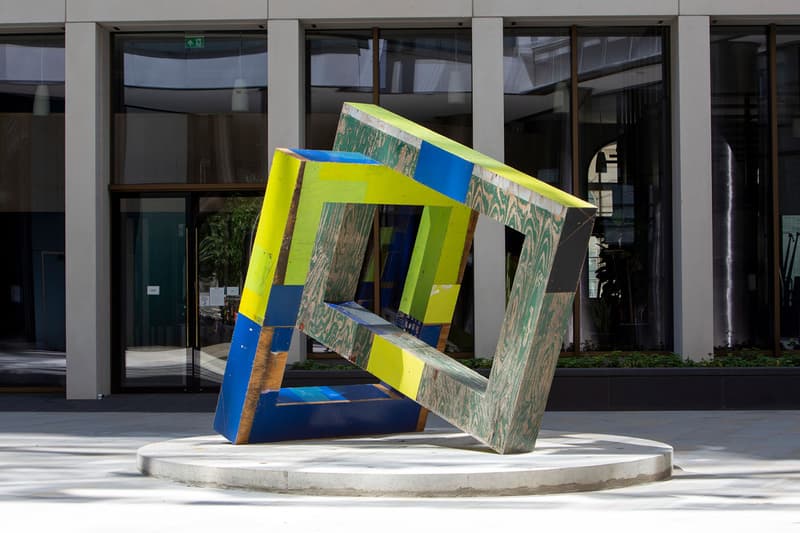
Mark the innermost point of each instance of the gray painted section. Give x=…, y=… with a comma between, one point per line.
x=741, y=7
x=285, y=107
x=37, y=12
x=369, y=9
x=160, y=10
x=692, y=207
x=488, y=137
x=87, y=211
x=574, y=8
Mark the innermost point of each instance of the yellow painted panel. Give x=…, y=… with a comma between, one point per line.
x=269, y=234
x=278, y=199
x=453, y=246
x=395, y=366
x=257, y=285
x=441, y=304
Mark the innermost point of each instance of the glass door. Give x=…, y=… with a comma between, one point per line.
x=181, y=264
x=153, y=293
x=225, y=230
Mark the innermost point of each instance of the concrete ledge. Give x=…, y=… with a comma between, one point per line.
x=432, y=464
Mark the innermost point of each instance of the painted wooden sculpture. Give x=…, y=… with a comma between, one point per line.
x=304, y=272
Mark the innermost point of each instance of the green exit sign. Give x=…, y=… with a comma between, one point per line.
x=196, y=41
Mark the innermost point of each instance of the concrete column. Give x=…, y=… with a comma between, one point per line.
x=691, y=169
x=286, y=97
x=87, y=211
x=285, y=107
x=487, y=137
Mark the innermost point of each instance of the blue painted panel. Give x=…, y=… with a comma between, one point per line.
x=281, y=339
x=443, y=171
x=325, y=420
x=334, y=157
x=284, y=302
x=430, y=334
x=237, y=377
x=336, y=392
x=309, y=394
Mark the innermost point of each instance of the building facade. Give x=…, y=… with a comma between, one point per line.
x=135, y=140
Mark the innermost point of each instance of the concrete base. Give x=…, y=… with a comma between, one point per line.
x=432, y=463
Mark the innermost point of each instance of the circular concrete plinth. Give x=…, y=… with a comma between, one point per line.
x=432, y=463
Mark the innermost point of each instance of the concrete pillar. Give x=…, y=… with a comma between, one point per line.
x=87, y=211
x=488, y=137
x=285, y=107
x=691, y=170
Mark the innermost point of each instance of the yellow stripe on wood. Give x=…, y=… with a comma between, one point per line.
x=441, y=304
x=395, y=366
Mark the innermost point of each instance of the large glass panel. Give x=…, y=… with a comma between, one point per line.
x=626, y=296
x=741, y=188
x=788, y=75
x=536, y=72
x=32, y=304
x=226, y=227
x=426, y=76
x=153, y=245
x=339, y=69
x=190, y=108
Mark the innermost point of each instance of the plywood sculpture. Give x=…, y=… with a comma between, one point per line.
x=304, y=273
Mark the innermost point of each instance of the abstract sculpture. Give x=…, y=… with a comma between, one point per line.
x=304, y=273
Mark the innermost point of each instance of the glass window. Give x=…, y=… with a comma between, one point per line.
x=537, y=73
x=622, y=157
x=741, y=187
x=339, y=70
x=190, y=108
x=623, y=154
x=788, y=91
x=536, y=84
x=32, y=292
x=426, y=76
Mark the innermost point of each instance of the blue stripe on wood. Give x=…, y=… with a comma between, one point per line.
x=237, y=377
x=335, y=157
x=284, y=302
x=430, y=334
x=443, y=171
x=281, y=339
x=275, y=422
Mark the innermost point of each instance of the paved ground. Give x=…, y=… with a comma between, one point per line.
x=64, y=470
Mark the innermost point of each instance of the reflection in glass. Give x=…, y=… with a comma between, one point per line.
x=190, y=110
x=741, y=188
x=32, y=291
x=536, y=71
x=426, y=76
x=537, y=91
x=626, y=296
x=339, y=70
x=226, y=230
x=788, y=76
x=153, y=244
